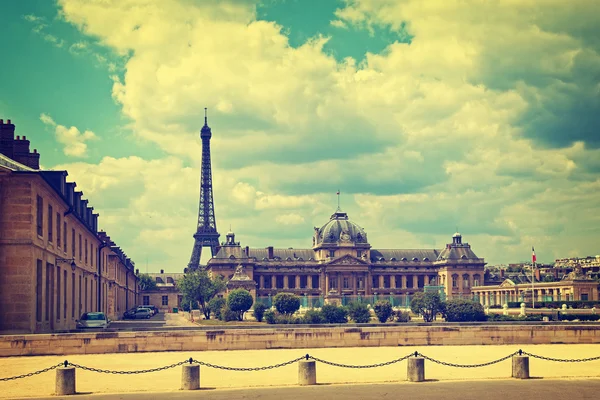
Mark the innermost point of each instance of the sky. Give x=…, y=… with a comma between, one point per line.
x=429, y=117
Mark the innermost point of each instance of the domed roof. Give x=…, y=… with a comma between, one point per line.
x=340, y=229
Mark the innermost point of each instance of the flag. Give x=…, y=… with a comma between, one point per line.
x=533, y=258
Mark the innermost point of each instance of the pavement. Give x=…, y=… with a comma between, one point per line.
x=533, y=389
x=169, y=380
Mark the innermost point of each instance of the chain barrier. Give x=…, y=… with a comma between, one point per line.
x=31, y=373
x=560, y=359
x=143, y=371
x=249, y=368
x=468, y=365
x=383, y=364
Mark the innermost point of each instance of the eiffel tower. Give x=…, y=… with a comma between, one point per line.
x=206, y=232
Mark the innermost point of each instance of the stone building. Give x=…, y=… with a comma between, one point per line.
x=54, y=264
x=166, y=296
x=342, y=265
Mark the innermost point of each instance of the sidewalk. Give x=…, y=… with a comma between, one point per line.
x=169, y=380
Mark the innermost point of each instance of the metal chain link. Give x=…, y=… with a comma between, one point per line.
x=143, y=371
x=561, y=359
x=468, y=365
x=363, y=366
x=249, y=368
x=31, y=373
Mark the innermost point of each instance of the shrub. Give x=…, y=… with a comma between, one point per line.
x=334, y=314
x=314, y=317
x=427, y=304
x=500, y=317
x=359, y=312
x=270, y=317
x=458, y=310
x=259, y=311
x=580, y=317
x=239, y=301
x=216, y=305
x=229, y=315
x=401, y=316
x=286, y=303
x=383, y=310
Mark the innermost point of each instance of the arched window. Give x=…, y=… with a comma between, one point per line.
x=465, y=278
x=454, y=281
x=415, y=259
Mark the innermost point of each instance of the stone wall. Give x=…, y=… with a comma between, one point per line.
x=295, y=338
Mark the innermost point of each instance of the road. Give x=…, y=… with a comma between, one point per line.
x=533, y=389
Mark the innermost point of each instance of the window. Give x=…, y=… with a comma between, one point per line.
x=57, y=293
x=38, y=291
x=476, y=280
x=72, y=294
x=73, y=242
x=79, y=298
x=58, y=236
x=40, y=216
x=291, y=282
x=359, y=253
x=49, y=290
x=331, y=253
x=279, y=281
x=584, y=297
x=386, y=282
x=165, y=300
x=360, y=282
x=303, y=281
x=465, y=281
x=267, y=281
x=315, y=282
x=65, y=294
x=65, y=236
x=375, y=284
x=146, y=300
x=454, y=281
x=50, y=216
x=80, y=248
x=92, y=254
x=346, y=282
x=85, y=294
x=86, y=252
x=333, y=283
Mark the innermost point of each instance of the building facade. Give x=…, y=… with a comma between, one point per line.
x=53, y=261
x=342, y=264
x=166, y=296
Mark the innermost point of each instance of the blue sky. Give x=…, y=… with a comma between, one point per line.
x=427, y=116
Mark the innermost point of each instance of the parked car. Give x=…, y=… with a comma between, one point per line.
x=153, y=308
x=142, y=313
x=93, y=320
x=130, y=314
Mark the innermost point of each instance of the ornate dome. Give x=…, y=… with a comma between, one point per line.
x=340, y=230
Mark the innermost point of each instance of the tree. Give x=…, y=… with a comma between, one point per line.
x=198, y=286
x=334, y=314
x=259, y=311
x=461, y=310
x=216, y=305
x=383, y=310
x=239, y=301
x=286, y=303
x=359, y=312
x=146, y=282
x=427, y=304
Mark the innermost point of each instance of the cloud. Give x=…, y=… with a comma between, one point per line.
x=73, y=140
x=484, y=121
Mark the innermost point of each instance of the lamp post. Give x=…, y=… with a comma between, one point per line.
x=67, y=260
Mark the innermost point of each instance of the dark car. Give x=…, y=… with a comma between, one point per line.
x=153, y=308
x=130, y=314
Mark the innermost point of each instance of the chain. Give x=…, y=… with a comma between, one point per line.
x=248, y=368
x=31, y=373
x=562, y=359
x=143, y=371
x=468, y=365
x=383, y=364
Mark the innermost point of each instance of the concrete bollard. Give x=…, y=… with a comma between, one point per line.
x=416, y=369
x=190, y=377
x=520, y=367
x=65, y=381
x=307, y=373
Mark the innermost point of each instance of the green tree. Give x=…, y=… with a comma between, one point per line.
x=259, y=311
x=286, y=303
x=198, y=286
x=146, y=282
x=427, y=304
x=462, y=310
x=239, y=301
x=359, y=312
x=216, y=305
x=383, y=310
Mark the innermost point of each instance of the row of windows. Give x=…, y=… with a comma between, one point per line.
x=146, y=300
x=85, y=251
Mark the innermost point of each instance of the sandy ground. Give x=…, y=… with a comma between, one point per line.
x=167, y=380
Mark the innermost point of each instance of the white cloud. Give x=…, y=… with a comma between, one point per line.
x=73, y=140
x=425, y=136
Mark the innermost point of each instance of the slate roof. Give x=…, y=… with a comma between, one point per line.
x=408, y=254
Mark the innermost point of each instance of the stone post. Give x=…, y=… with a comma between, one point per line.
x=520, y=367
x=522, y=313
x=307, y=372
x=416, y=369
x=65, y=381
x=190, y=377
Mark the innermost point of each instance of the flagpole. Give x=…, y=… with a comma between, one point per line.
x=532, y=278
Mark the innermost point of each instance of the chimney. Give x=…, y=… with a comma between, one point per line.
x=270, y=252
x=537, y=274
x=502, y=273
x=247, y=251
x=7, y=139
x=162, y=271
x=555, y=271
x=137, y=271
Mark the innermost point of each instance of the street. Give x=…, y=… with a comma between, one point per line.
x=497, y=389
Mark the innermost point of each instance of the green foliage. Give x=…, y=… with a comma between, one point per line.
x=427, y=304
x=286, y=303
x=383, y=310
x=313, y=316
x=259, y=311
x=548, y=278
x=198, y=286
x=359, y=312
x=239, y=301
x=401, y=316
x=216, y=305
x=270, y=317
x=580, y=317
x=461, y=310
x=185, y=304
x=228, y=314
x=334, y=314
x=147, y=284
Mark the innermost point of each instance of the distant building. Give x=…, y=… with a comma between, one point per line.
x=166, y=296
x=54, y=264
